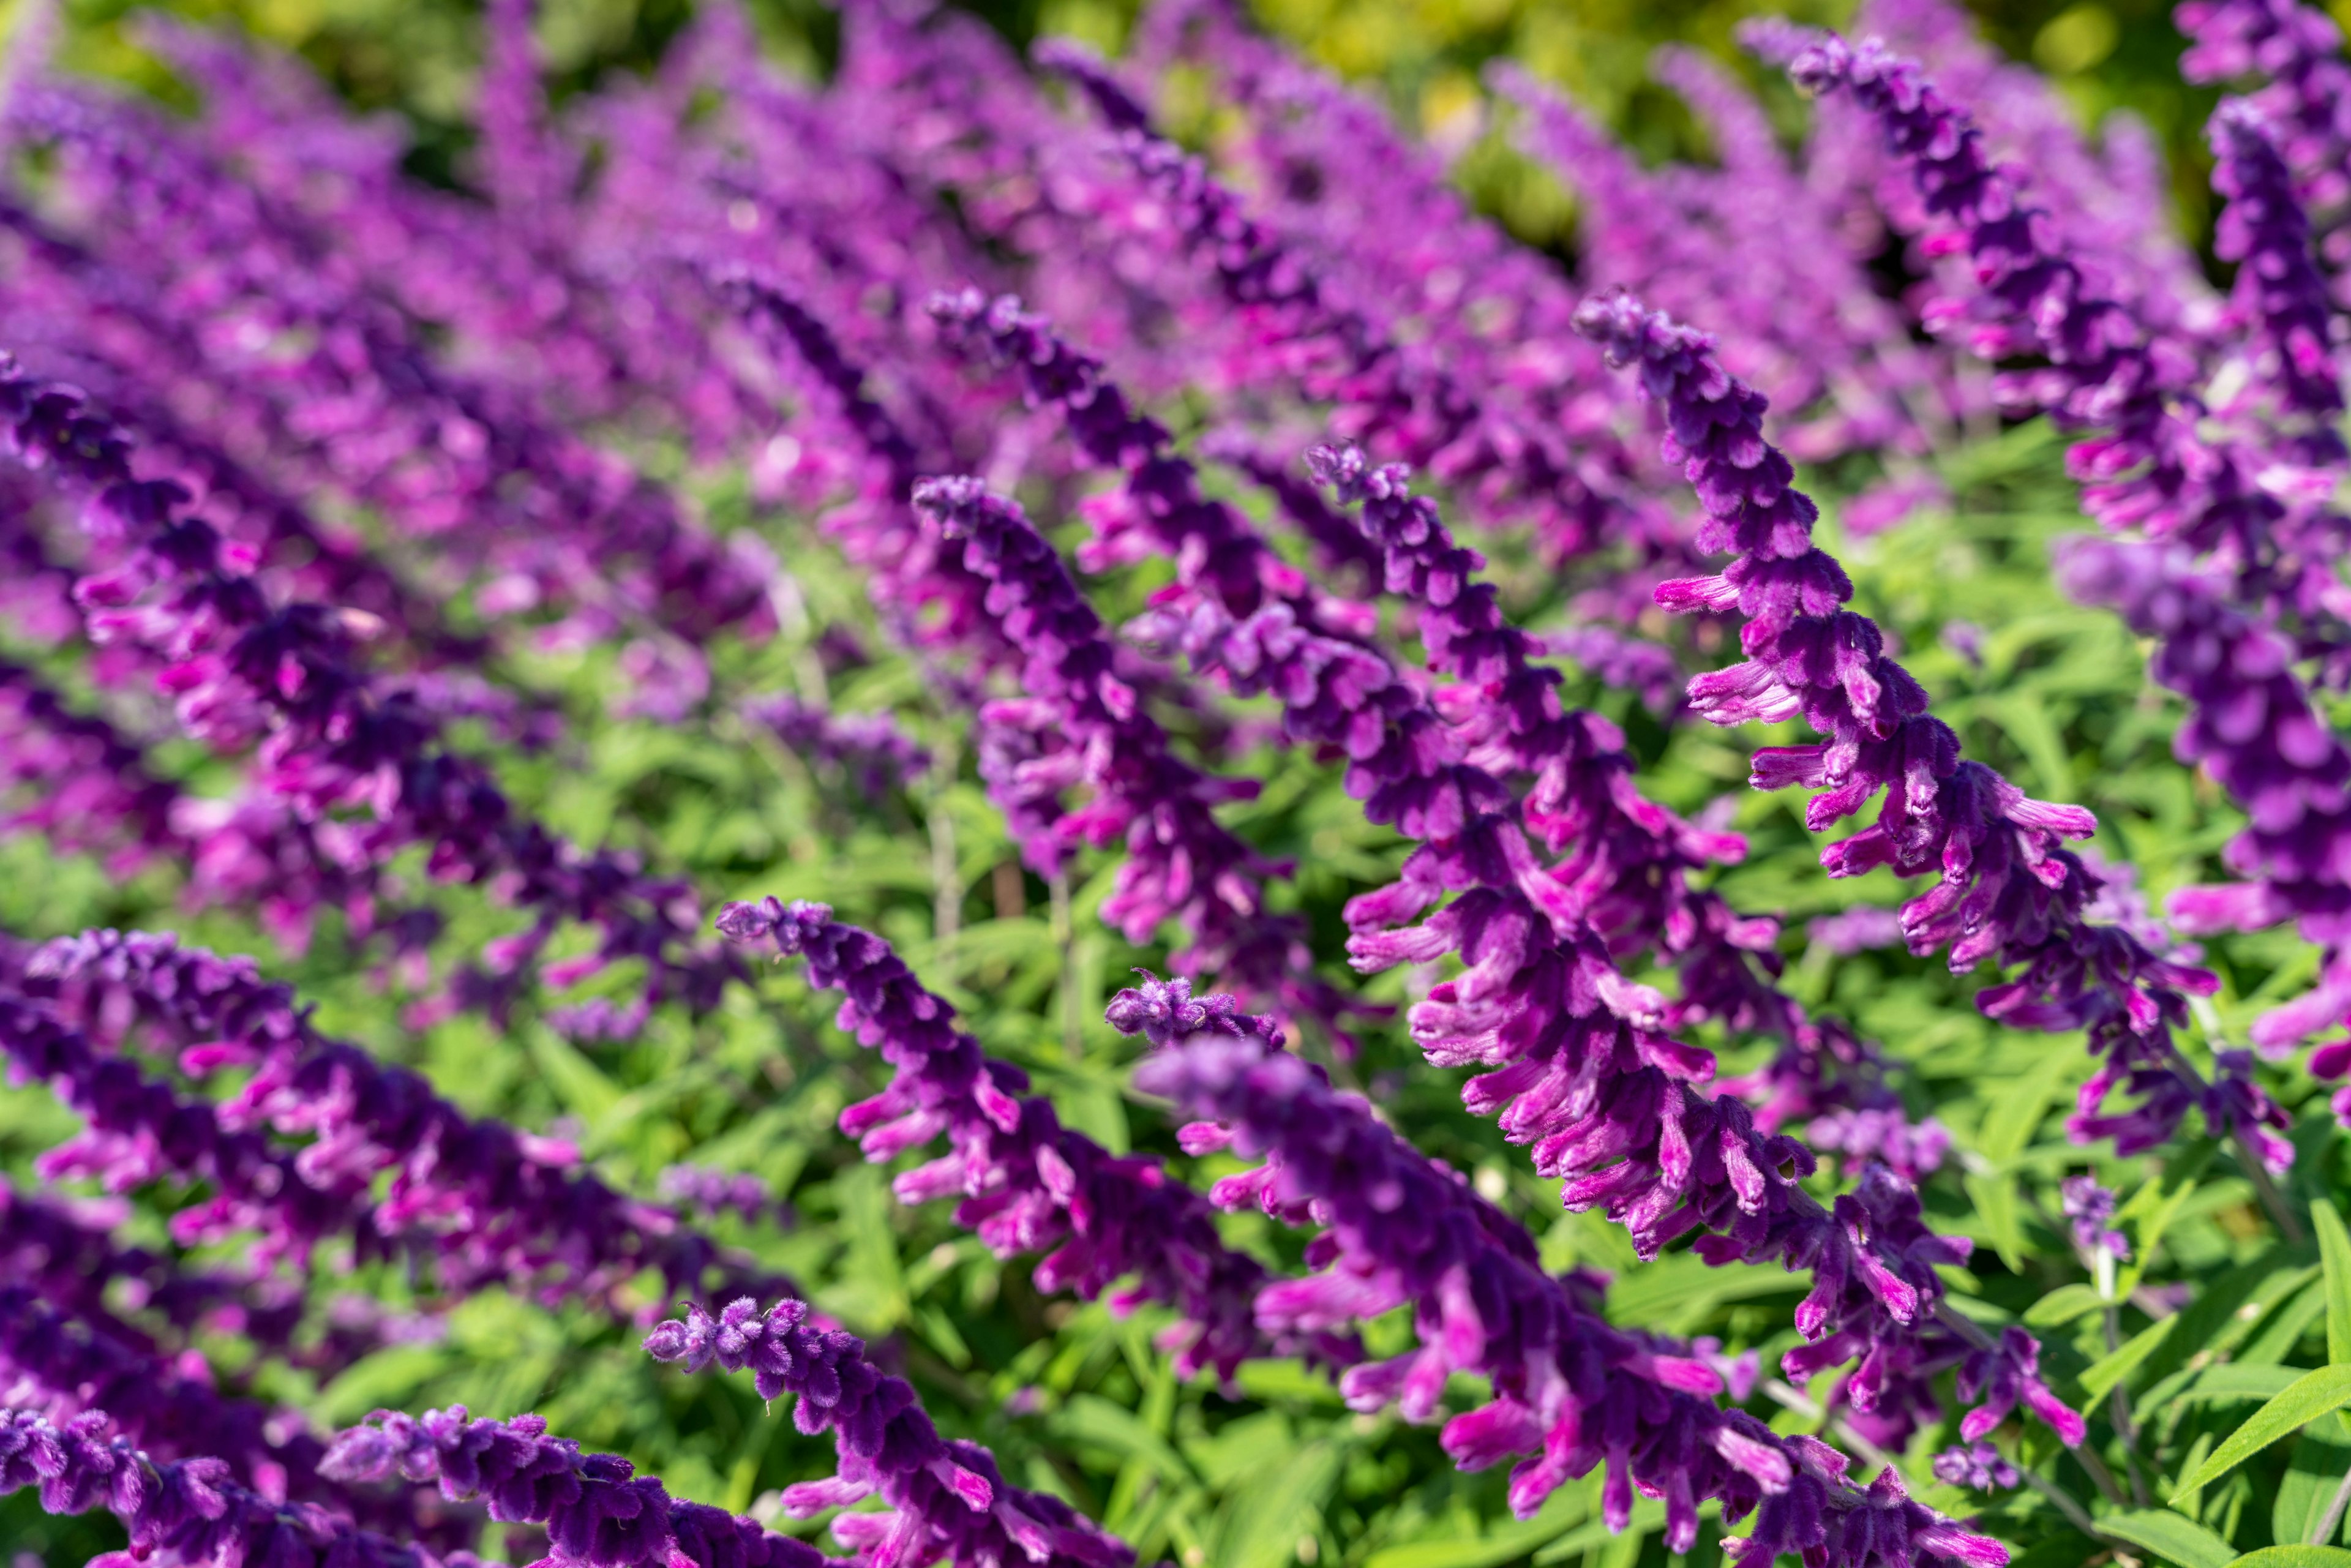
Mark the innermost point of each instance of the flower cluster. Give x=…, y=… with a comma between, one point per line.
x=420, y=563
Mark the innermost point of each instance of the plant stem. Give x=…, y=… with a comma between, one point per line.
x=2100, y=1477
x=1789, y=1397
x=2075, y=1514
x=2120, y=1404
x=2334, y=1514
x=1072, y=1040
x=947, y=876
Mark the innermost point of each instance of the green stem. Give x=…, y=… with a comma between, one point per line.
x=1073, y=1036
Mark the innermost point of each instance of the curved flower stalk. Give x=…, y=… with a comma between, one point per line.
x=1390, y=397
x=2110, y=204
x=2280, y=300
x=1628, y=864
x=1570, y=1392
x=947, y=1500
x=184, y=1513
x=1028, y=1183
x=431, y=451
x=2112, y=369
x=599, y=1512
x=1392, y=240
x=485, y=1203
x=1585, y=1071
x=1181, y=863
x=69, y=1364
x=2251, y=726
x=2008, y=889
x=2153, y=469
x=335, y=741
x=924, y=594
x=80, y=783
x=2307, y=95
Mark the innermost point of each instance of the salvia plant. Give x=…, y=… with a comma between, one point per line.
x=1034, y=744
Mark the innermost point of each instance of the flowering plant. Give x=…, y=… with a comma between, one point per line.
x=1034, y=744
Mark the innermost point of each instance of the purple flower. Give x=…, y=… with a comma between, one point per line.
x=869, y=748
x=2280, y=296
x=484, y=1202
x=2089, y=1207
x=184, y=1513
x=2008, y=889
x=599, y=1513
x=1181, y=863
x=2005, y=1375
x=946, y=1499
x=1977, y=1465
x=1570, y=1391
x=367, y=760
x=1026, y=1183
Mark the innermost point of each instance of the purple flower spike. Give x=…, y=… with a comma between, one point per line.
x=1181, y=863
x=1027, y=1182
x=184, y=1513
x=2008, y=889
x=482, y=1201
x=599, y=1513
x=2280, y=296
x=1570, y=1391
x=947, y=1500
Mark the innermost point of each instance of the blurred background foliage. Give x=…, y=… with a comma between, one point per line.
x=1276, y=1471
x=420, y=58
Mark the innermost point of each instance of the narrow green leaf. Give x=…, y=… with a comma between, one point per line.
x=2334, y=1254
x=2170, y=1536
x=1514, y=1539
x=2156, y=1204
x=2328, y=1388
x=1996, y=1203
x=2321, y=1458
x=2015, y=1114
x=1264, y=1520
x=2294, y=1557
x=2109, y=1370
x=1088, y=1419
x=2062, y=1306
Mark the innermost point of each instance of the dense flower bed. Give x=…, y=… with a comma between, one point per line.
x=1213, y=650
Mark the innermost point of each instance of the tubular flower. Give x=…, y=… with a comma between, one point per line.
x=947, y=1500
x=2008, y=889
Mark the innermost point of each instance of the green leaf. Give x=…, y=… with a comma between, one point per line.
x=2294, y=1557
x=2328, y=1388
x=2156, y=1204
x=2062, y=1306
x=2170, y=1536
x=2009, y=1123
x=1264, y=1520
x=1090, y=1420
x=1565, y=1508
x=2334, y=1254
x=2321, y=1458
